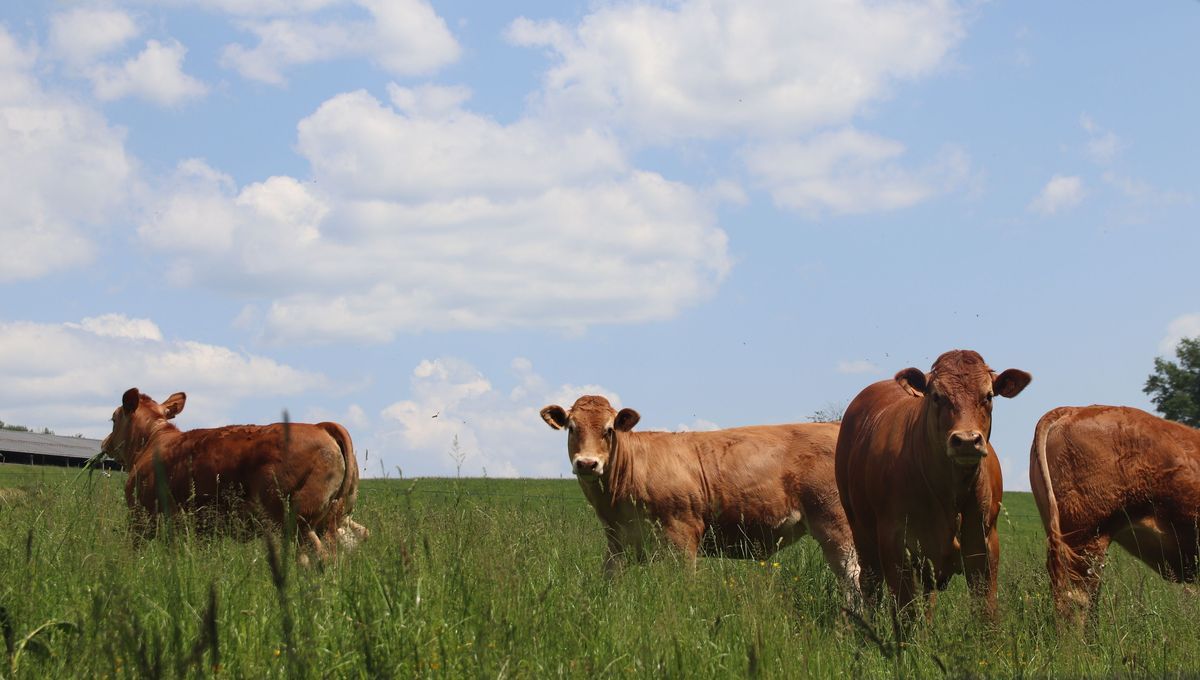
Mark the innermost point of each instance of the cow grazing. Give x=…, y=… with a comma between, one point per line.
x=1109, y=473
x=239, y=470
x=920, y=481
x=744, y=492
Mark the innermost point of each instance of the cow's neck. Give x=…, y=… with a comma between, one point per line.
x=952, y=485
x=152, y=436
x=614, y=488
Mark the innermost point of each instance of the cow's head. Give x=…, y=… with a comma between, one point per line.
x=134, y=421
x=591, y=425
x=958, y=395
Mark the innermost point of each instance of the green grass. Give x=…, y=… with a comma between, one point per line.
x=490, y=578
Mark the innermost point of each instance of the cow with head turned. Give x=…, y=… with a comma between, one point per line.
x=1105, y=474
x=919, y=478
x=744, y=492
x=261, y=471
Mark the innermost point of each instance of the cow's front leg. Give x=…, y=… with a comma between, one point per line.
x=837, y=545
x=685, y=535
x=981, y=562
x=899, y=573
x=614, y=554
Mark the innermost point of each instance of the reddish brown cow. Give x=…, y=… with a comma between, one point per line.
x=241, y=469
x=1111, y=473
x=744, y=492
x=920, y=480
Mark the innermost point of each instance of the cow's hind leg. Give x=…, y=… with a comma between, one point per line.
x=1075, y=595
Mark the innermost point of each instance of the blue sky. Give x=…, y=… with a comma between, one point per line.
x=718, y=213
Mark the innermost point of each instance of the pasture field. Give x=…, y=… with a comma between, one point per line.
x=501, y=578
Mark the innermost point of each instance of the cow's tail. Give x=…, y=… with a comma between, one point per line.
x=343, y=502
x=1059, y=556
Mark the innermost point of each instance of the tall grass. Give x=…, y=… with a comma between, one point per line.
x=490, y=578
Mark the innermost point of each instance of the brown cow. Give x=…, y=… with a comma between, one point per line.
x=1111, y=473
x=744, y=492
x=256, y=468
x=920, y=480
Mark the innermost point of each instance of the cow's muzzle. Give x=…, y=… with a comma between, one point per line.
x=967, y=447
x=587, y=467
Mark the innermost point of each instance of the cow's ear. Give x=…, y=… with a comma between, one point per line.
x=129, y=400
x=1011, y=382
x=555, y=416
x=626, y=419
x=913, y=381
x=174, y=404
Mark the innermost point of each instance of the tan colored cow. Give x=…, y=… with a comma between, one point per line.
x=1111, y=473
x=919, y=478
x=243, y=470
x=744, y=492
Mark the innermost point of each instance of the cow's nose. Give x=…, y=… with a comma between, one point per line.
x=588, y=465
x=967, y=439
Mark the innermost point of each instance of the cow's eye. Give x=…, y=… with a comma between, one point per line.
x=937, y=398
x=987, y=398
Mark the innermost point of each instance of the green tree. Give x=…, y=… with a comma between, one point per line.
x=1175, y=387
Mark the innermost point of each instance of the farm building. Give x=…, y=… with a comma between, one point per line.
x=32, y=448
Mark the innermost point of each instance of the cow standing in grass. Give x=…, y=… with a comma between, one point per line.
x=919, y=478
x=743, y=492
x=242, y=471
x=1109, y=473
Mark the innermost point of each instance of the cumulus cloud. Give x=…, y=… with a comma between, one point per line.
x=85, y=40
x=496, y=430
x=1183, y=326
x=849, y=171
x=119, y=326
x=1102, y=145
x=81, y=35
x=254, y=8
x=702, y=68
x=65, y=170
x=71, y=375
x=155, y=74
x=1060, y=193
x=482, y=225
x=856, y=366
x=403, y=37
x=786, y=80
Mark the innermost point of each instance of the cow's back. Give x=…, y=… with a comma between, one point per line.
x=228, y=467
x=754, y=469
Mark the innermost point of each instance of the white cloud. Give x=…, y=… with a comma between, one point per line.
x=482, y=225
x=1183, y=326
x=847, y=172
x=786, y=80
x=65, y=170
x=1102, y=145
x=155, y=74
x=255, y=7
x=698, y=425
x=498, y=431
x=702, y=68
x=1060, y=193
x=119, y=326
x=856, y=366
x=403, y=37
x=82, y=35
x=70, y=376
x=353, y=142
